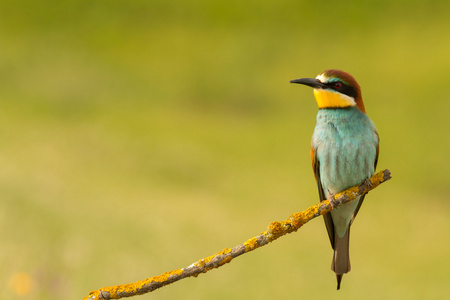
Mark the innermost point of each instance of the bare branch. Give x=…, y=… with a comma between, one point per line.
x=273, y=232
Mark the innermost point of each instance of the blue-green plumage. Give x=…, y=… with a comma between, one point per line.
x=345, y=143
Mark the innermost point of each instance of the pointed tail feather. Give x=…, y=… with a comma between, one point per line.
x=339, y=278
x=341, y=258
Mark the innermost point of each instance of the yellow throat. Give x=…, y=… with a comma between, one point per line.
x=328, y=99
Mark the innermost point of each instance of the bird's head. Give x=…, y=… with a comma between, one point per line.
x=334, y=89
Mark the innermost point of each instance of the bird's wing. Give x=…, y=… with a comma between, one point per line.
x=375, y=167
x=378, y=151
x=327, y=217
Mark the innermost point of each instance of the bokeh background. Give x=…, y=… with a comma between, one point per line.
x=140, y=136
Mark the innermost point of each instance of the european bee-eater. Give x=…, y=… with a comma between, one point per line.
x=344, y=153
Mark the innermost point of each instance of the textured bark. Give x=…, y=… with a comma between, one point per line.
x=274, y=231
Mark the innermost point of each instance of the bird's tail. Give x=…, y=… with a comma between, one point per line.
x=341, y=258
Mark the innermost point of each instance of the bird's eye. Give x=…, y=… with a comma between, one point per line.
x=338, y=85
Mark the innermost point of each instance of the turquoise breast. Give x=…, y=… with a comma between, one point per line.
x=345, y=143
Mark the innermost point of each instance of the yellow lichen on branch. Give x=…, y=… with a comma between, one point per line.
x=207, y=261
x=251, y=244
x=274, y=230
x=163, y=277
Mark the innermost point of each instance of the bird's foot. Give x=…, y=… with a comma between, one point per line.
x=368, y=182
x=333, y=202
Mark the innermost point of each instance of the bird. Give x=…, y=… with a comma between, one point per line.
x=344, y=153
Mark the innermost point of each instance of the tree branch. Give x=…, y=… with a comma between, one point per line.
x=273, y=232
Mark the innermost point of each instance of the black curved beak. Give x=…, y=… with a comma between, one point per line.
x=312, y=82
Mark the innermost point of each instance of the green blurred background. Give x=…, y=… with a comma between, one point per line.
x=140, y=136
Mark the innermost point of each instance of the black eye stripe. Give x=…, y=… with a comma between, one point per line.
x=344, y=89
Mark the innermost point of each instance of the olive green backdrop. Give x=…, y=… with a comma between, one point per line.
x=139, y=136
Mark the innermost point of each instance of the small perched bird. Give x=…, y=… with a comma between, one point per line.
x=344, y=153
